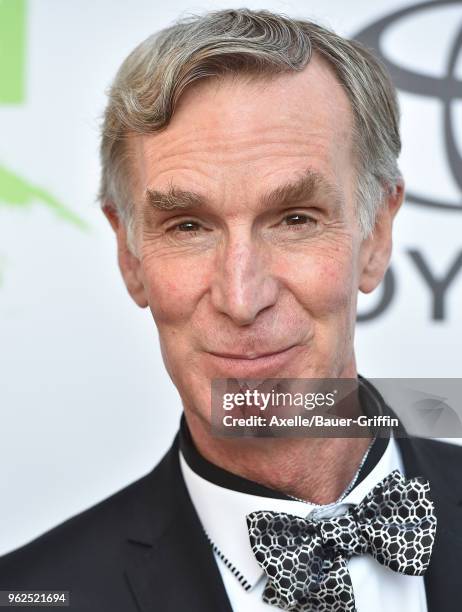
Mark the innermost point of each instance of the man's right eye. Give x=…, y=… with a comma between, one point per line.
x=187, y=226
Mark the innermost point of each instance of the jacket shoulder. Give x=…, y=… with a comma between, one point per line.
x=442, y=451
x=95, y=537
x=439, y=460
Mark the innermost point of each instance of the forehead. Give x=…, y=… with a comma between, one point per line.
x=251, y=130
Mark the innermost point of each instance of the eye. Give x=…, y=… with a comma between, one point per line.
x=299, y=219
x=188, y=229
x=187, y=226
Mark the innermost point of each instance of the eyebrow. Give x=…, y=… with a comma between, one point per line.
x=172, y=198
x=311, y=186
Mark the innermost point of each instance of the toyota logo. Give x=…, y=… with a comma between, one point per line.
x=446, y=88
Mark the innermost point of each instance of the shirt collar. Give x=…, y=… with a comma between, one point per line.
x=223, y=512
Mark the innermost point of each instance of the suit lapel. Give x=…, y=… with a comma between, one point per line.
x=171, y=564
x=440, y=464
x=421, y=457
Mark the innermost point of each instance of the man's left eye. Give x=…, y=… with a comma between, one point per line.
x=298, y=219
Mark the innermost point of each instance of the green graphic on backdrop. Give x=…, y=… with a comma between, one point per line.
x=14, y=190
x=12, y=51
x=17, y=192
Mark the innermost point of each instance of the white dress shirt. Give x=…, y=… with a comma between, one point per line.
x=223, y=512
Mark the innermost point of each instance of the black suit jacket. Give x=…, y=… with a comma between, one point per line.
x=143, y=548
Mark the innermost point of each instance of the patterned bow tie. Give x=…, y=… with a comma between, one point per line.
x=306, y=560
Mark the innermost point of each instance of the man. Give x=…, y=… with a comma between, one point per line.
x=250, y=176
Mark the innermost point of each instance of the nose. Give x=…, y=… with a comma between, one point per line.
x=243, y=285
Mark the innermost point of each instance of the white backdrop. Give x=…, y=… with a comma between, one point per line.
x=85, y=404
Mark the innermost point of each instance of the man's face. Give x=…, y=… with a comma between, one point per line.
x=250, y=255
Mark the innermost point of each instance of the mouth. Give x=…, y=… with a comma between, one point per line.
x=253, y=365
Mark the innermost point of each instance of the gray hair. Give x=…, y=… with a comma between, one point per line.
x=149, y=83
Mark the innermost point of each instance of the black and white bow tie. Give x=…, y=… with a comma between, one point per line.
x=306, y=560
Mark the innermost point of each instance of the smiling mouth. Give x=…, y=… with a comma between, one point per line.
x=253, y=365
x=251, y=356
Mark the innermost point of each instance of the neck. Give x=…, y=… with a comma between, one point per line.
x=314, y=469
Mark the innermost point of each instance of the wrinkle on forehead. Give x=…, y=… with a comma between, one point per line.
x=216, y=106
x=221, y=123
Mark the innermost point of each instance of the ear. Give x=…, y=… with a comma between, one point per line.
x=375, y=251
x=129, y=264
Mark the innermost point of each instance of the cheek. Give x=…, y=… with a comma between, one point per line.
x=324, y=284
x=173, y=289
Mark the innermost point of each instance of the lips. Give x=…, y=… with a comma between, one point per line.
x=252, y=365
x=250, y=356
